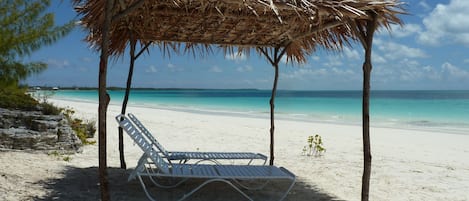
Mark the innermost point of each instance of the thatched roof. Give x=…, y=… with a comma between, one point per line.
x=299, y=25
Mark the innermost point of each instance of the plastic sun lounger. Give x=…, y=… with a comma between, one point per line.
x=199, y=156
x=228, y=174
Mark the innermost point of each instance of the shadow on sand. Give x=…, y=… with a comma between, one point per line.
x=82, y=184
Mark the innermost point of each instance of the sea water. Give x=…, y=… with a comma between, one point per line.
x=439, y=111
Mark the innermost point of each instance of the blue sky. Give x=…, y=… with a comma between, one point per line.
x=429, y=52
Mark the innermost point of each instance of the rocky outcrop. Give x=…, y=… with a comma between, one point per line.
x=34, y=131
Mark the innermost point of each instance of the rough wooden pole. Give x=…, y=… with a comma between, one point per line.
x=133, y=43
x=277, y=56
x=133, y=58
x=103, y=103
x=272, y=113
x=367, y=66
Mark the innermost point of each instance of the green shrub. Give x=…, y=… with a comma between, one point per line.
x=315, y=146
x=16, y=99
x=84, y=130
x=49, y=108
x=58, y=156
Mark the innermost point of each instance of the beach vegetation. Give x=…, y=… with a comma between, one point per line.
x=314, y=147
x=25, y=28
x=60, y=156
x=44, y=105
x=67, y=158
x=49, y=108
x=16, y=99
x=84, y=129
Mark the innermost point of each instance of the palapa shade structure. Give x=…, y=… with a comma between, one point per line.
x=302, y=25
x=274, y=28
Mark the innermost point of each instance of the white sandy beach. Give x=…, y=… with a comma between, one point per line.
x=407, y=164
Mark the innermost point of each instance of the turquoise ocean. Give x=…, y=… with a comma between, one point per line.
x=438, y=111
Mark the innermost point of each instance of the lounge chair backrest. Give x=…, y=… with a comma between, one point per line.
x=143, y=143
x=147, y=133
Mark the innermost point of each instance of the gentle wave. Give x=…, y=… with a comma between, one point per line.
x=439, y=111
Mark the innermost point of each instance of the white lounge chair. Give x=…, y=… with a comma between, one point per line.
x=199, y=156
x=228, y=174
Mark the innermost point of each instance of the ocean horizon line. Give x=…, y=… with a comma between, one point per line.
x=424, y=109
x=234, y=89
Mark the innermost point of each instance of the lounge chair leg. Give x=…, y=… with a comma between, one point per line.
x=210, y=160
x=289, y=189
x=139, y=168
x=150, y=172
x=214, y=180
x=238, y=181
x=145, y=188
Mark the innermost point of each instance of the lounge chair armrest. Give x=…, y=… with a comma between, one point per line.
x=287, y=172
x=177, y=157
x=119, y=117
x=264, y=157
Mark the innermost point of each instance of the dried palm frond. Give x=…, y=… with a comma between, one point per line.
x=300, y=25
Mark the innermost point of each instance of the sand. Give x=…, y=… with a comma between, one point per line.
x=407, y=164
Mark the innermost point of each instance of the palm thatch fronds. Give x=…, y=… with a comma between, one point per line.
x=300, y=25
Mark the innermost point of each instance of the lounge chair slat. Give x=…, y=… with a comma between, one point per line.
x=218, y=172
x=132, y=119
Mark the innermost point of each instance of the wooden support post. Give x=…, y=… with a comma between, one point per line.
x=274, y=59
x=367, y=67
x=103, y=102
x=133, y=58
x=133, y=43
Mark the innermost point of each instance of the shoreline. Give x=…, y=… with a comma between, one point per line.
x=407, y=164
x=453, y=128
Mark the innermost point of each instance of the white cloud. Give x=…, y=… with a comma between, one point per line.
x=151, y=69
x=431, y=73
x=411, y=74
x=403, y=71
x=383, y=73
x=332, y=73
x=406, y=30
x=215, y=69
x=284, y=59
x=246, y=68
x=342, y=72
x=351, y=53
x=173, y=68
x=236, y=57
x=58, y=63
x=333, y=61
x=305, y=73
x=454, y=72
x=466, y=61
x=393, y=50
x=447, y=22
x=376, y=58
x=424, y=5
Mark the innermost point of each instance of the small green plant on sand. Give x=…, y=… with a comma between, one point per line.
x=84, y=129
x=314, y=147
x=67, y=158
x=59, y=156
